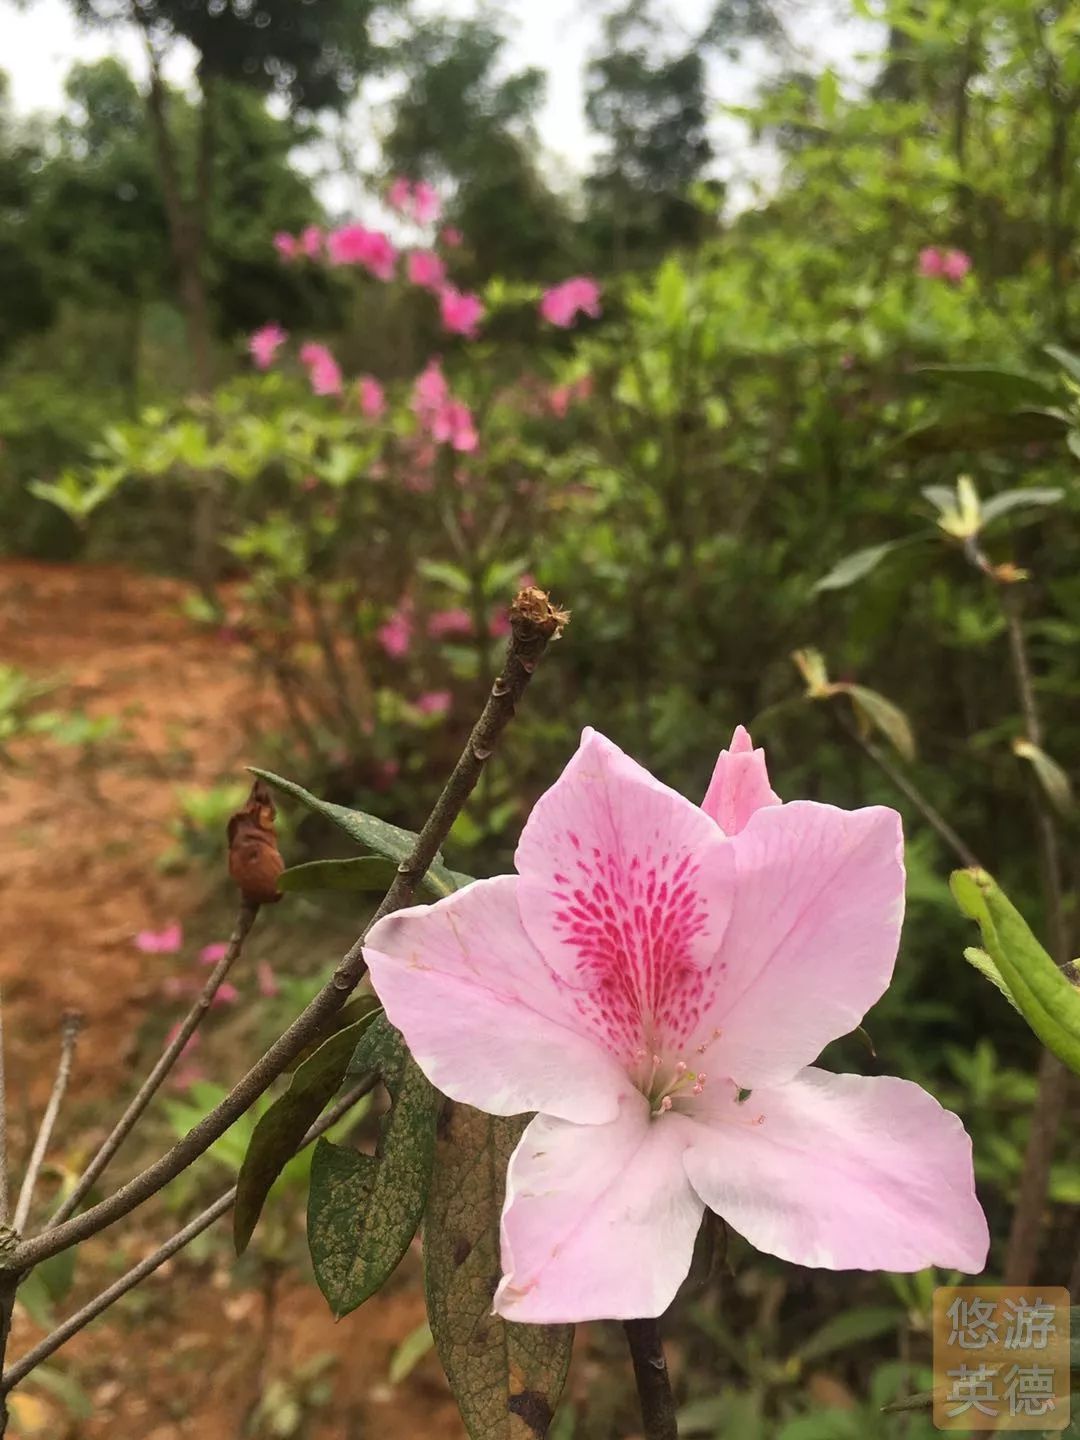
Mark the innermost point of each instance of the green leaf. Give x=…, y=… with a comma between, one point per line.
x=866, y=1322
x=384, y=839
x=883, y=715
x=506, y=1377
x=410, y=1352
x=985, y=432
x=1008, y=500
x=1012, y=388
x=364, y=1210
x=1046, y=999
x=1066, y=359
x=280, y=1130
x=1053, y=780
x=941, y=497
x=986, y=967
x=854, y=566
x=367, y=873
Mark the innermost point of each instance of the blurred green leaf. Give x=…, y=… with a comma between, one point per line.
x=1054, y=782
x=1033, y=496
x=854, y=566
x=410, y=1352
x=1009, y=387
x=985, y=432
x=880, y=714
x=851, y=1327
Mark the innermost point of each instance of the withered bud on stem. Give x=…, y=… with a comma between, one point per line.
x=255, y=862
x=535, y=622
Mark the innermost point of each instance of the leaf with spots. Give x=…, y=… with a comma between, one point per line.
x=363, y=1210
x=506, y=1377
x=275, y=1138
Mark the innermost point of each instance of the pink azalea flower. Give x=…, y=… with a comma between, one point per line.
x=286, y=245
x=426, y=269
x=324, y=372
x=426, y=206
x=434, y=702
x=396, y=635
x=399, y=196
x=311, y=242
x=450, y=622
x=372, y=397
x=160, y=942
x=564, y=303
x=931, y=263
x=430, y=393
x=559, y=400
x=955, y=265
x=264, y=344
x=454, y=426
x=357, y=245
x=452, y=237
x=649, y=962
x=225, y=994
x=211, y=954
x=267, y=980
x=461, y=314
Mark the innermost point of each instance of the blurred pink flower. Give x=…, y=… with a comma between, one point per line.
x=193, y=1041
x=426, y=269
x=559, y=401
x=455, y=426
x=427, y=207
x=931, y=262
x=311, y=242
x=372, y=397
x=461, y=314
x=286, y=245
x=452, y=237
x=225, y=994
x=357, y=245
x=386, y=772
x=264, y=344
x=499, y=625
x=396, y=634
x=399, y=194
x=211, y=954
x=434, y=702
x=955, y=265
x=562, y=304
x=267, y=980
x=160, y=942
x=450, y=622
x=430, y=393
x=324, y=372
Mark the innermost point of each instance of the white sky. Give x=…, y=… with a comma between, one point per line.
x=37, y=47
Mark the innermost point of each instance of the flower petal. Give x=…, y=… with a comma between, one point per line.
x=626, y=888
x=739, y=786
x=848, y=1172
x=484, y=1017
x=812, y=940
x=599, y=1220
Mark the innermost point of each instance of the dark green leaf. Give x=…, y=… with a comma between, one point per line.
x=985, y=432
x=1066, y=359
x=1009, y=387
x=866, y=1322
x=506, y=1377
x=364, y=1210
x=280, y=1130
x=367, y=873
x=389, y=841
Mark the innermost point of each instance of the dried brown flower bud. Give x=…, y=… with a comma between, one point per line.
x=255, y=862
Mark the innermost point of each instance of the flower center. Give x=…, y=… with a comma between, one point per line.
x=662, y=1081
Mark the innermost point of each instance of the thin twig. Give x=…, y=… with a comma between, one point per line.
x=653, y=1381
x=221, y=1206
x=908, y=788
x=69, y=1034
x=534, y=623
x=5, y=1198
x=148, y=1089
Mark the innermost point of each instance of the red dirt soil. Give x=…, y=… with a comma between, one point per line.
x=78, y=879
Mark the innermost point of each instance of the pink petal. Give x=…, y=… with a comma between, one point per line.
x=484, y=1017
x=813, y=935
x=211, y=954
x=626, y=890
x=599, y=1221
x=739, y=786
x=848, y=1172
x=160, y=942
x=268, y=984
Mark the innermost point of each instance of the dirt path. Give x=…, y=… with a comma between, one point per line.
x=79, y=876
